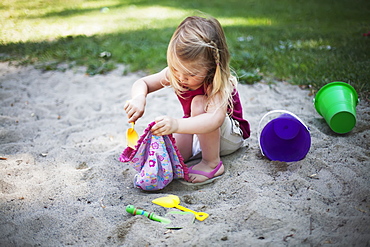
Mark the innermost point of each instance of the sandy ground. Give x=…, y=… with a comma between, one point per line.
x=61, y=183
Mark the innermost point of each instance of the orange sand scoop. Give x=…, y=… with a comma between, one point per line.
x=172, y=201
x=131, y=136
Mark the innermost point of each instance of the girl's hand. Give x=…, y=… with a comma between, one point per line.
x=135, y=108
x=164, y=126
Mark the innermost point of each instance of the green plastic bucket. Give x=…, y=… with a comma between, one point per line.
x=337, y=102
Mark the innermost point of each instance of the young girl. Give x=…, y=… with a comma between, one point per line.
x=198, y=71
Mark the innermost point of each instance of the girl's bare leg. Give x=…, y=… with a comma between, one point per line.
x=210, y=145
x=184, y=143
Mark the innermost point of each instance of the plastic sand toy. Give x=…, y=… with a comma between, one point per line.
x=172, y=201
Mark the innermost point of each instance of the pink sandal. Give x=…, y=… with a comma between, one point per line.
x=209, y=175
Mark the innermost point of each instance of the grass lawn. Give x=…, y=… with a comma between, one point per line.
x=309, y=43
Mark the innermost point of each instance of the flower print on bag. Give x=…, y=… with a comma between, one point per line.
x=155, y=145
x=157, y=161
x=152, y=163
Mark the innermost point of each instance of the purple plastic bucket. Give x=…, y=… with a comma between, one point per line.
x=285, y=138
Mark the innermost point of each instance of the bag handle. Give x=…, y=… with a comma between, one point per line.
x=272, y=112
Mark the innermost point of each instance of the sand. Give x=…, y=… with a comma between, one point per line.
x=61, y=134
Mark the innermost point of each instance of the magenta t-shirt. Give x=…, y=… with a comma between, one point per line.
x=186, y=98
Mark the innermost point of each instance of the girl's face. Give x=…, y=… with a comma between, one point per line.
x=189, y=76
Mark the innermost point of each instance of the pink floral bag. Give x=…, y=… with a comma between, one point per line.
x=157, y=160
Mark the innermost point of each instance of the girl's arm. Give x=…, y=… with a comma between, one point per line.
x=140, y=89
x=200, y=124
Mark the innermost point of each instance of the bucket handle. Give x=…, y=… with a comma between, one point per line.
x=269, y=113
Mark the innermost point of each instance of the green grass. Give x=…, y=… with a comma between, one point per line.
x=304, y=42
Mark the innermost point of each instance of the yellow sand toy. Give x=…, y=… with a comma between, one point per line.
x=172, y=201
x=131, y=136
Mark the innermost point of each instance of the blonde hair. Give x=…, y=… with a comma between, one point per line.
x=202, y=41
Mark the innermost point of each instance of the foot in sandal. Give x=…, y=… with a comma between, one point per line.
x=204, y=174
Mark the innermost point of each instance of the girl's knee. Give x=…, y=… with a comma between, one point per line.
x=198, y=105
